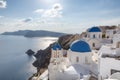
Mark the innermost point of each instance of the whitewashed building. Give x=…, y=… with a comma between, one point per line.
x=110, y=33
x=80, y=53
x=116, y=40
x=90, y=56
x=77, y=65
x=109, y=62
x=80, y=56
x=59, y=67
x=94, y=37
x=109, y=59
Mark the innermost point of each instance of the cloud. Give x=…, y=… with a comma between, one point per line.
x=57, y=6
x=27, y=20
x=3, y=3
x=54, y=12
x=39, y=11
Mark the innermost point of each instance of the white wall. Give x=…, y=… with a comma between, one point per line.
x=73, y=55
x=58, y=71
x=106, y=64
x=96, y=42
x=109, y=33
x=118, y=51
x=63, y=76
x=116, y=38
x=98, y=35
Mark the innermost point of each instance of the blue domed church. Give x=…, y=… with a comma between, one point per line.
x=94, y=29
x=80, y=46
x=94, y=37
x=80, y=52
x=94, y=32
x=56, y=51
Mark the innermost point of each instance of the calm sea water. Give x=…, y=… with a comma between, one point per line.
x=14, y=63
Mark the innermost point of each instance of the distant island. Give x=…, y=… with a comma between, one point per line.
x=36, y=33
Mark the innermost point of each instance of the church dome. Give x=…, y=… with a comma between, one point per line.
x=56, y=46
x=94, y=29
x=80, y=46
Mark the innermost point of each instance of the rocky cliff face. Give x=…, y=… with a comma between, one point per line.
x=66, y=40
x=43, y=56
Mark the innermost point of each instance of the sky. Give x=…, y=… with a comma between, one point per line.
x=68, y=16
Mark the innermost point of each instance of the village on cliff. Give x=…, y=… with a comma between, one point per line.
x=94, y=56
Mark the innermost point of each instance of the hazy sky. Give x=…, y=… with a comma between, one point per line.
x=71, y=16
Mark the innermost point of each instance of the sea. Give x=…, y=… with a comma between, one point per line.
x=15, y=64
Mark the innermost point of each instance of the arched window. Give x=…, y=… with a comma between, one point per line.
x=107, y=36
x=86, y=35
x=99, y=36
x=77, y=59
x=86, y=60
x=93, y=44
x=118, y=44
x=111, y=41
x=58, y=55
x=94, y=36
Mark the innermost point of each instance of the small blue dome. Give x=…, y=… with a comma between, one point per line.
x=94, y=29
x=56, y=46
x=80, y=46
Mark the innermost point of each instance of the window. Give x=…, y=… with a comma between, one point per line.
x=99, y=36
x=118, y=45
x=114, y=32
x=94, y=36
x=93, y=44
x=111, y=41
x=77, y=59
x=58, y=55
x=114, y=71
x=86, y=60
x=107, y=36
x=86, y=35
